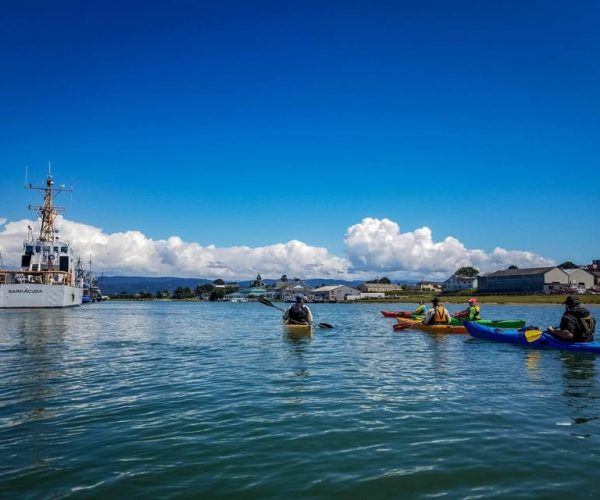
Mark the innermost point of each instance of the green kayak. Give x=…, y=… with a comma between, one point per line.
x=492, y=323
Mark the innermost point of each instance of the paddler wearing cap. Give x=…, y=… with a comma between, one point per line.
x=576, y=324
x=298, y=313
x=471, y=313
x=438, y=314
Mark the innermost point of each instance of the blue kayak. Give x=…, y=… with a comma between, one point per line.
x=545, y=341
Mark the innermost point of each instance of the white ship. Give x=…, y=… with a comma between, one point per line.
x=47, y=274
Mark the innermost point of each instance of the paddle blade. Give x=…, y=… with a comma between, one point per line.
x=325, y=325
x=266, y=302
x=533, y=335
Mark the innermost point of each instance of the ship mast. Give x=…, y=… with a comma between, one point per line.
x=48, y=212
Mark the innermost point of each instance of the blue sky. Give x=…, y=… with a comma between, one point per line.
x=257, y=123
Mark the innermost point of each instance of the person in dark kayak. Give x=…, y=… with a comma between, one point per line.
x=471, y=313
x=576, y=324
x=421, y=309
x=437, y=315
x=299, y=313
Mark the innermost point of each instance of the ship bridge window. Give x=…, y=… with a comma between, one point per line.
x=46, y=249
x=38, y=249
x=63, y=249
x=55, y=249
x=29, y=249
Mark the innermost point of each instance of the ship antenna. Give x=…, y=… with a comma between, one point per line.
x=26, y=176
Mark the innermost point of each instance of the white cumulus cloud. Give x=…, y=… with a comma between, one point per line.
x=133, y=253
x=378, y=245
x=374, y=247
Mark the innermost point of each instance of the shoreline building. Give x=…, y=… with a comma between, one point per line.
x=287, y=290
x=456, y=283
x=536, y=280
x=335, y=293
x=379, y=287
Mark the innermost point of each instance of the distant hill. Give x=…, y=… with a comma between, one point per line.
x=135, y=284
x=111, y=285
x=312, y=282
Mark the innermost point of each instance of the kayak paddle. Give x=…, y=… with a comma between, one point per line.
x=533, y=335
x=267, y=302
x=401, y=326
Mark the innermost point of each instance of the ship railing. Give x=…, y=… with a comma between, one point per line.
x=13, y=277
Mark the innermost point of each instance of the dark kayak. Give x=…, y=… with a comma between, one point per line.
x=545, y=341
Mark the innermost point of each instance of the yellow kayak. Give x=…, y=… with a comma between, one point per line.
x=417, y=324
x=297, y=329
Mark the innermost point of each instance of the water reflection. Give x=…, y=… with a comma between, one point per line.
x=440, y=356
x=298, y=344
x=533, y=363
x=34, y=378
x=39, y=364
x=579, y=387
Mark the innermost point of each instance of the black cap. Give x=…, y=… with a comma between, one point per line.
x=572, y=301
x=435, y=300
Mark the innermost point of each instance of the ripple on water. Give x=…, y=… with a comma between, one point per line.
x=215, y=399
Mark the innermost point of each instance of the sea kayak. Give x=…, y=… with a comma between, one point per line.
x=397, y=314
x=298, y=329
x=417, y=324
x=499, y=323
x=459, y=325
x=494, y=323
x=545, y=341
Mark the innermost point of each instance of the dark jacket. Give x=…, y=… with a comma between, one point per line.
x=578, y=321
x=298, y=313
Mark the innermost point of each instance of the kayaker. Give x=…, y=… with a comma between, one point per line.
x=421, y=309
x=576, y=324
x=299, y=313
x=471, y=313
x=438, y=314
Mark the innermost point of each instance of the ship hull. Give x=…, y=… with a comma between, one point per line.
x=30, y=295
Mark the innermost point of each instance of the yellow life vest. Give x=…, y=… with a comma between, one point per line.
x=474, y=313
x=420, y=310
x=441, y=315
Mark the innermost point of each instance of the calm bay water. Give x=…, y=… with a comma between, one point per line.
x=212, y=399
